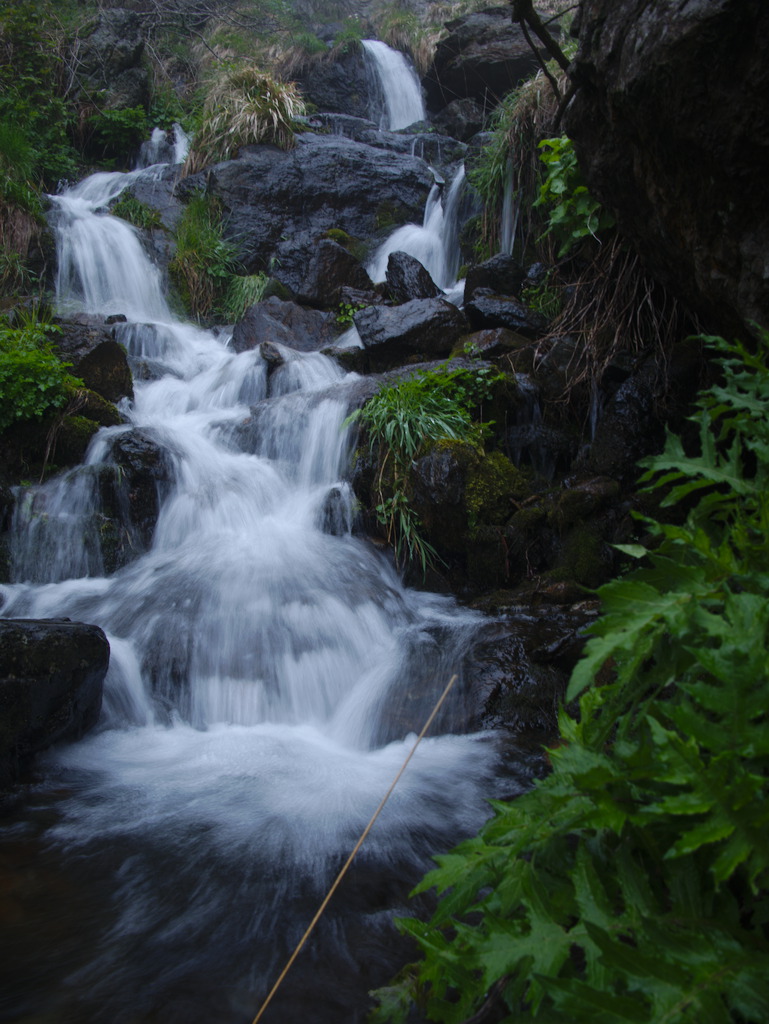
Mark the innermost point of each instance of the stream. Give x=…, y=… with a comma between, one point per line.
x=268, y=674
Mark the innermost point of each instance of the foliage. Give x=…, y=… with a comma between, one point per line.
x=545, y=298
x=242, y=293
x=204, y=262
x=129, y=208
x=114, y=134
x=244, y=107
x=349, y=37
x=573, y=213
x=507, y=173
x=401, y=29
x=632, y=884
x=33, y=380
x=346, y=312
x=403, y=418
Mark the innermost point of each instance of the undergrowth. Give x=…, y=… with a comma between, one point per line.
x=33, y=380
x=204, y=262
x=632, y=884
x=405, y=418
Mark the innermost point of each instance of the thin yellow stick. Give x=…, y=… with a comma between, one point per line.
x=350, y=859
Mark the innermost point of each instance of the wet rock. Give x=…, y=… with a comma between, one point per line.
x=488, y=310
x=51, y=677
x=132, y=496
x=407, y=279
x=278, y=322
x=461, y=118
x=331, y=270
x=502, y=274
x=110, y=60
x=336, y=84
x=680, y=158
x=89, y=344
x=494, y=341
x=483, y=57
x=439, y=150
x=334, y=515
x=277, y=204
x=422, y=328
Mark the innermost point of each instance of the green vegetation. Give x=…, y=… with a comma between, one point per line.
x=245, y=106
x=204, y=263
x=113, y=134
x=33, y=380
x=632, y=884
x=129, y=208
x=573, y=214
x=403, y=419
x=242, y=293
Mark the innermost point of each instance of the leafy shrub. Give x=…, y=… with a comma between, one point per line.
x=244, y=107
x=632, y=884
x=573, y=213
x=115, y=134
x=204, y=262
x=403, y=418
x=33, y=380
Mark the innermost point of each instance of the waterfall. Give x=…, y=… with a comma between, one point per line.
x=434, y=242
x=267, y=675
x=397, y=93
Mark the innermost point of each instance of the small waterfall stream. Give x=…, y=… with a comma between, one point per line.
x=266, y=679
x=397, y=93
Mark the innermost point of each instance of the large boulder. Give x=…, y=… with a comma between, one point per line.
x=332, y=269
x=51, y=677
x=420, y=329
x=337, y=84
x=278, y=204
x=278, y=322
x=671, y=127
x=483, y=57
x=89, y=344
x=408, y=279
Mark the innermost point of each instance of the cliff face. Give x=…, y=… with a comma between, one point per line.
x=671, y=126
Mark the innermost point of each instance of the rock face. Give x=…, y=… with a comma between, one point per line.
x=338, y=86
x=89, y=344
x=671, y=128
x=278, y=204
x=483, y=57
x=51, y=676
x=110, y=59
x=407, y=279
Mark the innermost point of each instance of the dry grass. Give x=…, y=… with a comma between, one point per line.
x=245, y=106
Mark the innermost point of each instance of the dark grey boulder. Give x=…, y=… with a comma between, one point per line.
x=51, y=678
x=420, y=329
x=88, y=343
x=279, y=322
x=483, y=57
x=337, y=84
x=670, y=123
x=501, y=274
x=407, y=279
x=461, y=119
x=488, y=310
x=331, y=270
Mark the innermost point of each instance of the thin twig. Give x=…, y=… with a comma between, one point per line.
x=350, y=859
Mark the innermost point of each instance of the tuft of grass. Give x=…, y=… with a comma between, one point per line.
x=129, y=208
x=204, y=261
x=245, y=106
x=242, y=293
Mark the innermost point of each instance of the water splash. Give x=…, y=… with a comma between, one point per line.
x=397, y=94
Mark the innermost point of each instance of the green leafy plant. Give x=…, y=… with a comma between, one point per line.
x=546, y=297
x=116, y=134
x=33, y=380
x=349, y=37
x=402, y=419
x=346, y=312
x=244, y=107
x=204, y=262
x=573, y=213
x=632, y=884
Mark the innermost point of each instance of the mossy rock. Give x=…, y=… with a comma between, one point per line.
x=72, y=439
x=584, y=558
x=582, y=501
x=100, y=410
x=492, y=486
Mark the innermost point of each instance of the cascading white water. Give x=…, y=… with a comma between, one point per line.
x=164, y=147
x=264, y=677
x=398, y=95
x=434, y=242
